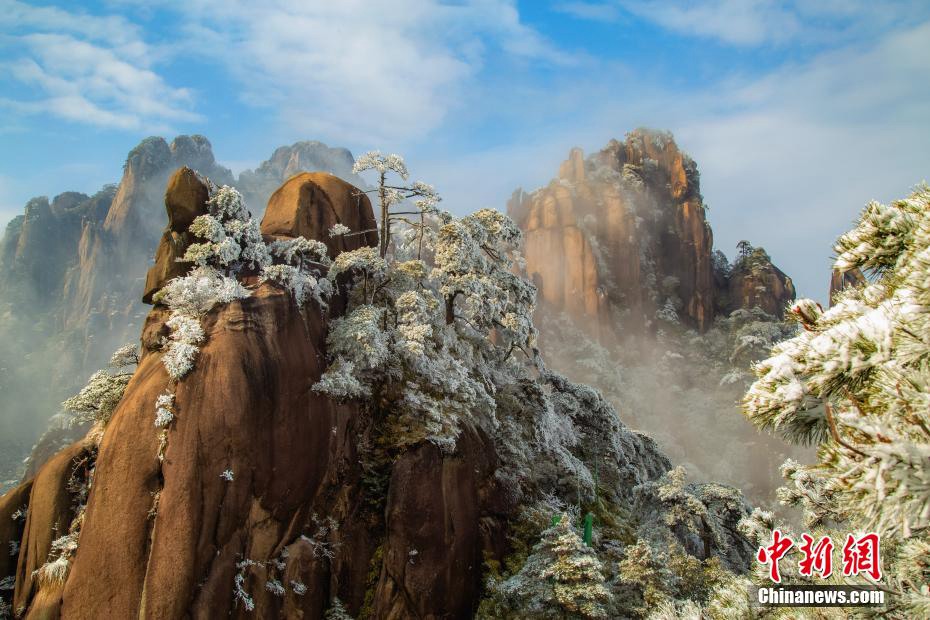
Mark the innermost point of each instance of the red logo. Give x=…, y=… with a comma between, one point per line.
x=860, y=556
x=817, y=557
x=775, y=552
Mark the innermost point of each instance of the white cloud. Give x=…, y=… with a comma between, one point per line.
x=746, y=23
x=85, y=68
x=356, y=70
x=737, y=22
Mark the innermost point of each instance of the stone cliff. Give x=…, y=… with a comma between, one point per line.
x=754, y=282
x=623, y=234
x=264, y=503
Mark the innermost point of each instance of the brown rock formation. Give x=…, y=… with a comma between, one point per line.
x=622, y=231
x=755, y=282
x=167, y=539
x=185, y=199
x=310, y=203
x=51, y=504
x=840, y=280
x=72, y=269
x=11, y=527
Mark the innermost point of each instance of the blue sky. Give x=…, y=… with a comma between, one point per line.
x=797, y=113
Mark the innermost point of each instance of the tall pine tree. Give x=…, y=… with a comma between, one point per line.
x=856, y=383
x=561, y=578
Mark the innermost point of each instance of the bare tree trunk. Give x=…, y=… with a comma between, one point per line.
x=385, y=230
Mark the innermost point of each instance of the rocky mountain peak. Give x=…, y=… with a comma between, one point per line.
x=622, y=237
x=135, y=214
x=754, y=282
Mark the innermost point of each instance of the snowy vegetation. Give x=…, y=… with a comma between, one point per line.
x=438, y=340
x=97, y=400
x=433, y=317
x=561, y=577
x=856, y=383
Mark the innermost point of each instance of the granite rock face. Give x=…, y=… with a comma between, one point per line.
x=310, y=203
x=623, y=230
x=185, y=199
x=622, y=235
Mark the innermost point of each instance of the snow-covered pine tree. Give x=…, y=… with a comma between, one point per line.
x=98, y=399
x=562, y=578
x=856, y=382
x=435, y=319
x=337, y=611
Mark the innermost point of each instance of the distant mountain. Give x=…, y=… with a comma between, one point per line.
x=623, y=234
x=635, y=300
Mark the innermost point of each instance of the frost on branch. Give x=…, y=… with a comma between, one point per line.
x=429, y=336
x=302, y=262
x=126, y=355
x=418, y=332
x=59, y=560
x=338, y=230
x=424, y=198
x=98, y=399
x=197, y=292
x=232, y=240
x=374, y=160
x=856, y=381
x=164, y=410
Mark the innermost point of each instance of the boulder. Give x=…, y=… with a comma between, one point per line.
x=310, y=203
x=185, y=199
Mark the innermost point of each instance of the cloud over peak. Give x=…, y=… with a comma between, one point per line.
x=84, y=68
